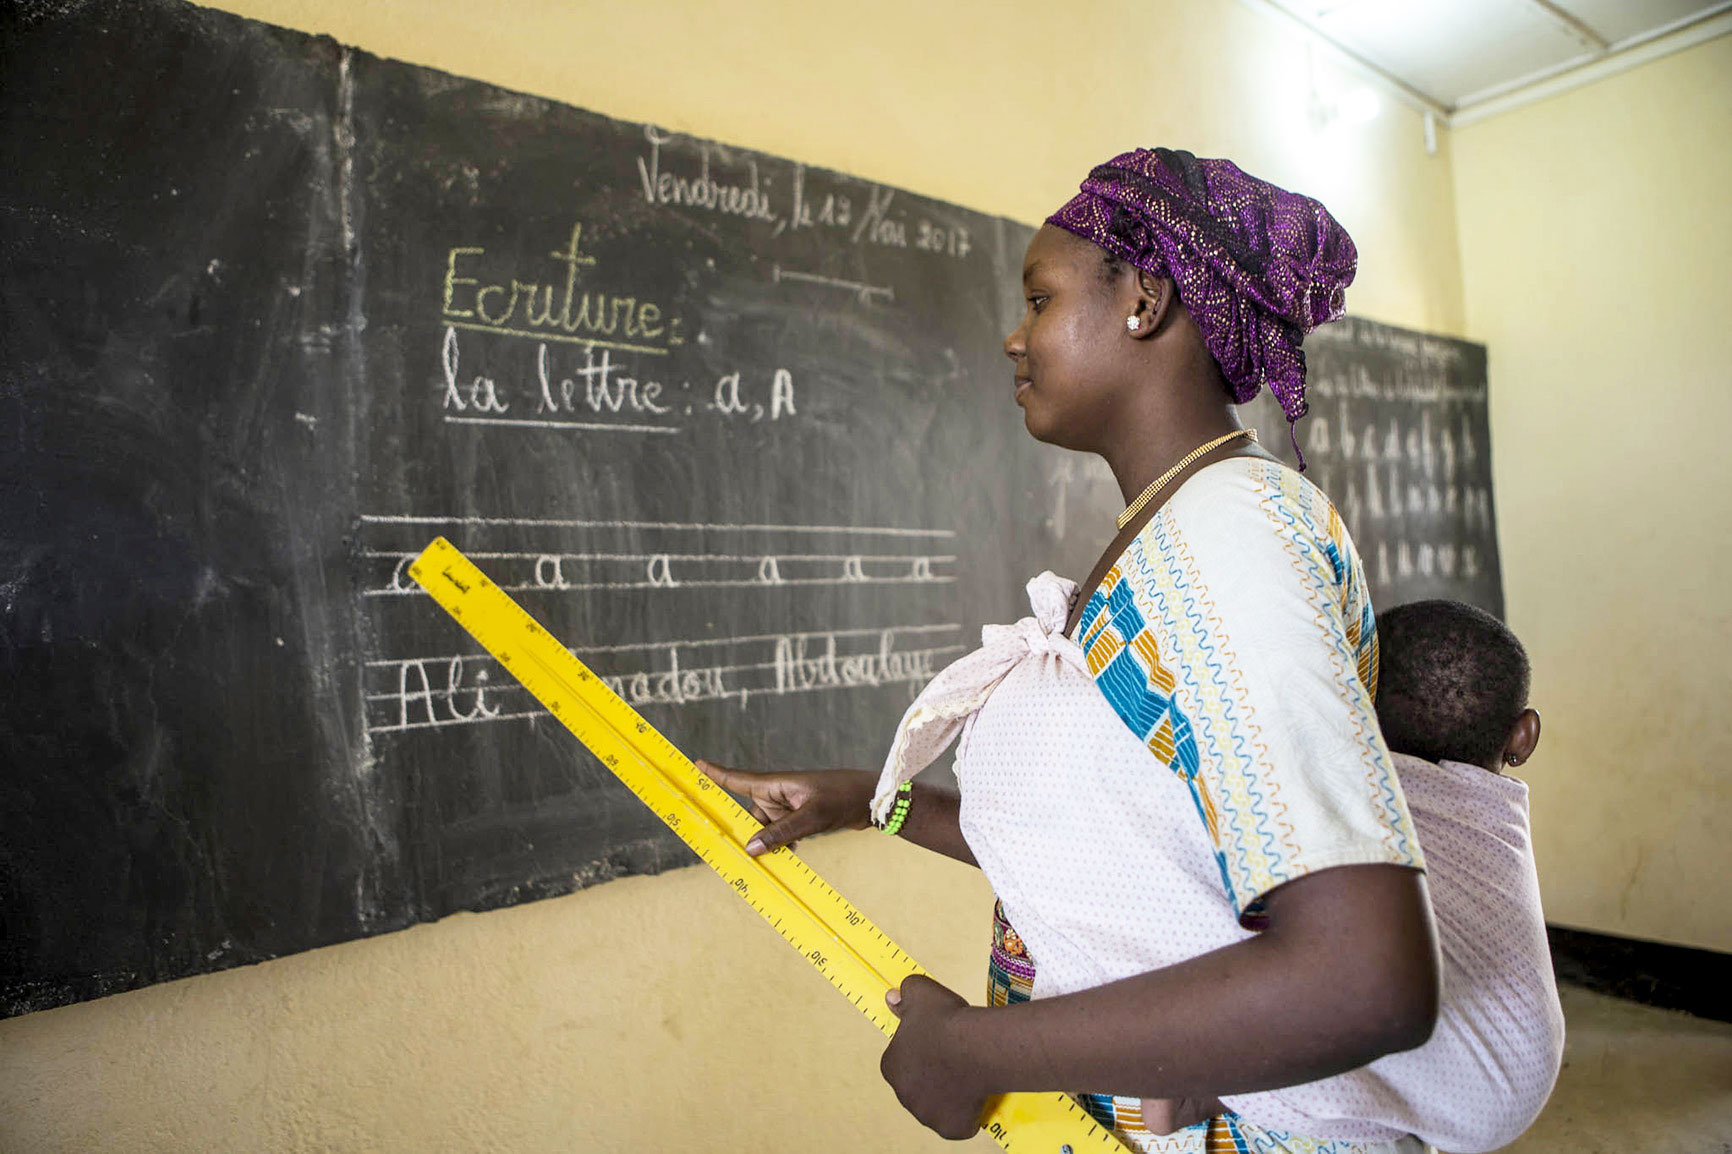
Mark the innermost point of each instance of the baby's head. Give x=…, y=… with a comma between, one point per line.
x=1453, y=686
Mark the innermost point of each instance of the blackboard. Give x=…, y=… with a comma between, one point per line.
x=275, y=312
x=1398, y=435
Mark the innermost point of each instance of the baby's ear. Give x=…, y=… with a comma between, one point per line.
x=1524, y=738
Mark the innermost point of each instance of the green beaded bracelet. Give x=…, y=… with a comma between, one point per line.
x=899, y=814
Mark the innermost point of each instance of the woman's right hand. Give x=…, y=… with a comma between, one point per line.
x=796, y=805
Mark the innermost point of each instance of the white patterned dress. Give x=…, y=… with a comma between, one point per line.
x=1132, y=799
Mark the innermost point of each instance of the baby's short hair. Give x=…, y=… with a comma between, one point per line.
x=1453, y=680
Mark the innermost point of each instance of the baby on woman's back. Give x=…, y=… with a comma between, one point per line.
x=1452, y=703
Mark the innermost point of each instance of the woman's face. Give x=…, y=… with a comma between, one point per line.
x=1068, y=349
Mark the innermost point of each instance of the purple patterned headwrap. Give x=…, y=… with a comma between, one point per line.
x=1256, y=267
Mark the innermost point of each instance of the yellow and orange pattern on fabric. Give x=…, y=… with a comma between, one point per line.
x=1235, y=637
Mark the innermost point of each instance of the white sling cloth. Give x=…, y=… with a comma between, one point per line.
x=1103, y=865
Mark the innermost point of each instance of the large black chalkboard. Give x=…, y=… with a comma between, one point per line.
x=275, y=312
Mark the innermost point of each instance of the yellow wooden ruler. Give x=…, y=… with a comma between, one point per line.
x=818, y=922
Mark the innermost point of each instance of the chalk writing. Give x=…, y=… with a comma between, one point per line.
x=1355, y=382
x=702, y=190
x=540, y=572
x=521, y=307
x=550, y=572
x=562, y=385
x=481, y=395
x=781, y=394
x=713, y=182
x=469, y=689
x=797, y=667
x=660, y=571
x=421, y=691
x=876, y=224
x=936, y=238
x=417, y=697
x=729, y=402
x=602, y=390
x=836, y=211
x=1397, y=438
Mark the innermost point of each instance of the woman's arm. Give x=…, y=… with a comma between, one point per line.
x=1346, y=972
x=797, y=805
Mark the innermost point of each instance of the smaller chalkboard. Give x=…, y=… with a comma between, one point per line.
x=1398, y=435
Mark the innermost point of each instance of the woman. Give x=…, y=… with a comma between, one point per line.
x=1227, y=627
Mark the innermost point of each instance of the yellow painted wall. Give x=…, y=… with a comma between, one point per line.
x=1596, y=238
x=656, y=1013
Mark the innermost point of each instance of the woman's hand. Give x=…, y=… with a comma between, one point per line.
x=795, y=805
x=927, y=1063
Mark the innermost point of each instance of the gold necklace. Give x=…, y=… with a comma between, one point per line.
x=1136, y=506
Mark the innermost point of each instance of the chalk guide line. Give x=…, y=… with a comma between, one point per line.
x=712, y=526
x=454, y=689
x=547, y=335
x=699, y=642
x=596, y=570
x=865, y=292
x=578, y=426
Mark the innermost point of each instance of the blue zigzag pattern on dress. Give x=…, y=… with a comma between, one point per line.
x=1185, y=745
x=1253, y=822
x=1336, y=563
x=1240, y=1145
x=1252, y=1139
x=1126, y=687
x=1123, y=680
x=1127, y=618
x=1091, y=609
x=1305, y=540
x=1193, y=619
x=1246, y=1137
x=1125, y=683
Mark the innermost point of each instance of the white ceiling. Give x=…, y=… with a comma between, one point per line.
x=1459, y=54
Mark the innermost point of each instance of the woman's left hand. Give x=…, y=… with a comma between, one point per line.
x=927, y=1064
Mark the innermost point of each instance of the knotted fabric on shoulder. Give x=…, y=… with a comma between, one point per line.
x=937, y=716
